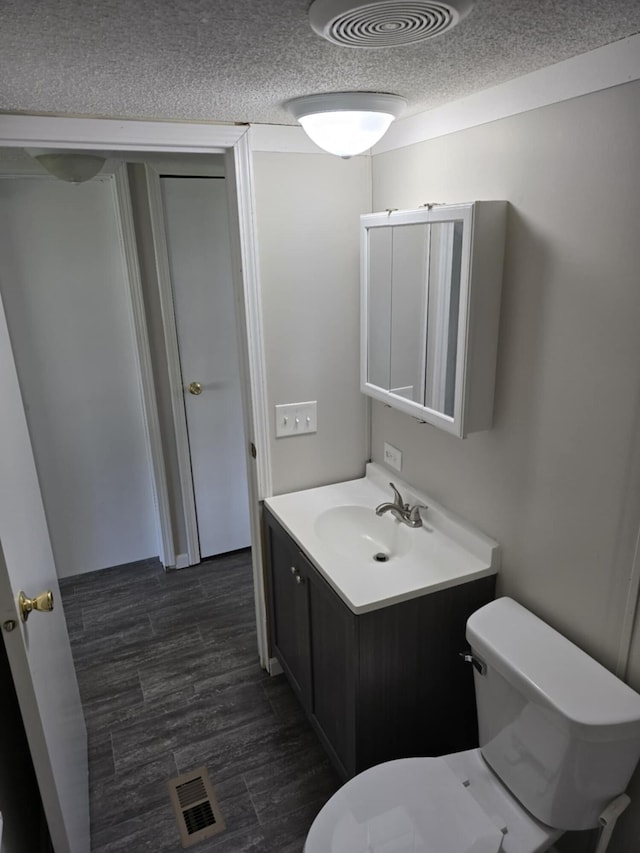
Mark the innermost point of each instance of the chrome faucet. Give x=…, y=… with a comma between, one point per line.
x=401, y=510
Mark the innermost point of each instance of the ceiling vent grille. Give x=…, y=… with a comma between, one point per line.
x=385, y=23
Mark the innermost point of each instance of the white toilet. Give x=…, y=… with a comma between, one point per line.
x=559, y=735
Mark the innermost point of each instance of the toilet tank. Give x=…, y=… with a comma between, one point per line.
x=561, y=732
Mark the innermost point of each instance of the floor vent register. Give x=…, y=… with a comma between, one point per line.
x=195, y=805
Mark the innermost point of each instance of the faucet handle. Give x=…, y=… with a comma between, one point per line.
x=414, y=514
x=397, y=497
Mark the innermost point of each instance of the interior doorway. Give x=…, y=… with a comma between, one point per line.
x=136, y=141
x=19, y=507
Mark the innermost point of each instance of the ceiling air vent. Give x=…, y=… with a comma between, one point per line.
x=385, y=23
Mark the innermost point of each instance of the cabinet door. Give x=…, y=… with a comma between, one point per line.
x=431, y=281
x=289, y=606
x=333, y=660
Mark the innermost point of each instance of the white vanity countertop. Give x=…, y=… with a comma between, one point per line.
x=332, y=525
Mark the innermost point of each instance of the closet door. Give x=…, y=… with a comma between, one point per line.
x=195, y=211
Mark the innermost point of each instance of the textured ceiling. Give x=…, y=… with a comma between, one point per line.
x=239, y=60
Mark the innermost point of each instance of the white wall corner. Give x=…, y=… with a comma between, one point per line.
x=611, y=65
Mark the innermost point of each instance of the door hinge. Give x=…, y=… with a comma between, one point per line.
x=254, y=452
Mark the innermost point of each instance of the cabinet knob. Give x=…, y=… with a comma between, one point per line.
x=293, y=570
x=299, y=579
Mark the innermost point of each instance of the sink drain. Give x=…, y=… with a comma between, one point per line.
x=380, y=557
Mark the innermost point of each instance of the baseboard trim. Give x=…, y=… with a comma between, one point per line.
x=274, y=667
x=182, y=561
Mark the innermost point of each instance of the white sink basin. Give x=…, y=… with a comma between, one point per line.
x=358, y=533
x=339, y=530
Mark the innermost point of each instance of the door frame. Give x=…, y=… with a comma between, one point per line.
x=112, y=135
x=145, y=366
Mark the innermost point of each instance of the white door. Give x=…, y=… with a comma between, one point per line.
x=197, y=232
x=38, y=650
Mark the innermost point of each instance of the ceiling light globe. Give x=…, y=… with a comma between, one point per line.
x=346, y=123
x=346, y=133
x=75, y=167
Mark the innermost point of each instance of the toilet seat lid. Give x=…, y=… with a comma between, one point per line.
x=413, y=805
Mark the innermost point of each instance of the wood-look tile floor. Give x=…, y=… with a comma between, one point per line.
x=169, y=678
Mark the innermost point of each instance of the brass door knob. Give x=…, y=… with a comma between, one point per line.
x=195, y=388
x=42, y=602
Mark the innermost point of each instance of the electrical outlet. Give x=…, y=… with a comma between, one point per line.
x=393, y=456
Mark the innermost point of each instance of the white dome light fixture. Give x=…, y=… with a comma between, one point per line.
x=75, y=167
x=346, y=123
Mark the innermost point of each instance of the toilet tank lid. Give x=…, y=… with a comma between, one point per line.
x=543, y=664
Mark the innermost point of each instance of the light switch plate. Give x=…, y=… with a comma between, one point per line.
x=296, y=419
x=393, y=456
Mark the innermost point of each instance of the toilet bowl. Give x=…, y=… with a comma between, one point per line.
x=559, y=740
x=454, y=804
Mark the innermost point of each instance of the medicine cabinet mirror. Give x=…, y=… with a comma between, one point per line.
x=431, y=283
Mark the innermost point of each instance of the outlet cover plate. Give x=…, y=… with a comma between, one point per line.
x=296, y=419
x=392, y=456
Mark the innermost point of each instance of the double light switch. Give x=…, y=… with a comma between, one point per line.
x=296, y=418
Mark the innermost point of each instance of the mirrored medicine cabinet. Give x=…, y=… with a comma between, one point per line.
x=431, y=284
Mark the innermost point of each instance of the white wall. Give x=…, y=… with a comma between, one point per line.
x=557, y=480
x=65, y=293
x=307, y=216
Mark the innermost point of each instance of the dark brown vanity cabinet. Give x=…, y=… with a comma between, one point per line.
x=380, y=685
